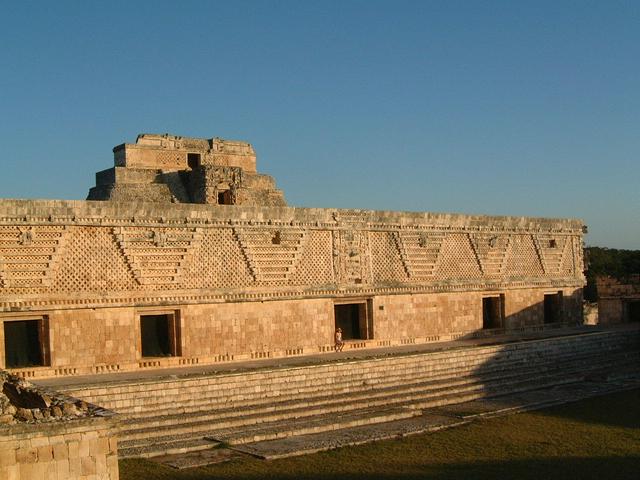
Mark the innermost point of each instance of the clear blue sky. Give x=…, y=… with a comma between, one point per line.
x=514, y=108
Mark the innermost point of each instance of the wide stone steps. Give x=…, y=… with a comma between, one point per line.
x=173, y=414
x=369, y=393
x=171, y=443
x=428, y=394
x=413, y=397
x=175, y=443
x=301, y=426
x=208, y=411
x=280, y=427
x=290, y=380
x=199, y=401
x=192, y=398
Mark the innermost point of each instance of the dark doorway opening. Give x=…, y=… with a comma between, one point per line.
x=352, y=319
x=633, y=311
x=23, y=343
x=224, y=198
x=193, y=160
x=553, y=307
x=493, y=312
x=159, y=335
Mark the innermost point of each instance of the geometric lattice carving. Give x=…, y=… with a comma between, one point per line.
x=157, y=256
x=316, y=262
x=92, y=262
x=45, y=259
x=218, y=262
x=492, y=251
x=386, y=262
x=458, y=258
x=272, y=254
x=524, y=260
x=419, y=252
x=28, y=255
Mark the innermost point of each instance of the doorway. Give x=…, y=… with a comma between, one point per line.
x=632, y=311
x=493, y=312
x=225, y=198
x=193, y=160
x=351, y=318
x=159, y=335
x=553, y=307
x=23, y=343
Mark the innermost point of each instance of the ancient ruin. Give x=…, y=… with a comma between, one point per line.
x=48, y=435
x=167, y=168
x=618, y=299
x=185, y=255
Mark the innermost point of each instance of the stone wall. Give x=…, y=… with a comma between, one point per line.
x=254, y=282
x=618, y=299
x=173, y=169
x=47, y=436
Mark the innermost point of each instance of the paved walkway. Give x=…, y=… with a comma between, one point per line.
x=239, y=366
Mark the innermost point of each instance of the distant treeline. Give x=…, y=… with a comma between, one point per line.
x=608, y=261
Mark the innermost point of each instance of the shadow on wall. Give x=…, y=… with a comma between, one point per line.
x=526, y=370
x=556, y=311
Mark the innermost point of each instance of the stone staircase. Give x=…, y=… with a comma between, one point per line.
x=173, y=415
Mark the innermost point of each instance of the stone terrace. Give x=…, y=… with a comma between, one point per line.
x=185, y=410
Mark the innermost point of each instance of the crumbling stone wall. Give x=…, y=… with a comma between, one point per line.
x=618, y=299
x=172, y=169
x=45, y=435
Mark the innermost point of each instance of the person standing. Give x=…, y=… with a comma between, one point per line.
x=339, y=345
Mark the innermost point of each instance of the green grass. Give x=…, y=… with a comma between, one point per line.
x=597, y=438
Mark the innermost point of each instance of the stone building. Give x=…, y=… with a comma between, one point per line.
x=183, y=254
x=618, y=299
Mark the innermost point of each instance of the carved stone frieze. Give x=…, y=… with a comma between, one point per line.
x=28, y=255
x=351, y=256
x=158, y=256
x=272, y=254
x=492, y=251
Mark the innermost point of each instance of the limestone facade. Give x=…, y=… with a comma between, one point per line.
x=172, y=169
x=618, y=300
x=91, y=281
x=45, y=435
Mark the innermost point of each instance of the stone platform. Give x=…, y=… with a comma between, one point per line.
x=349, y=397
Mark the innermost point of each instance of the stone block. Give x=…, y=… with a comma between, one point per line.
x=88, y=465
x=62, y=468
x=60, y=451
x=45, y=453
x=75, y=467
x=10, y=472
x=26, y=455
x=7, y=457
x=83, y=449
x=74, y=449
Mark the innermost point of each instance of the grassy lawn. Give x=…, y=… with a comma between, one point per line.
x=597, y=438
